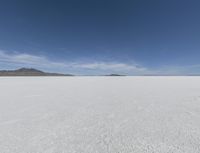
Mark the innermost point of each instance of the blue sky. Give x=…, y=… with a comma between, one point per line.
x=100, y=37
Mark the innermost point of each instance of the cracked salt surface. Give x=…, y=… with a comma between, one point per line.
x=100, y=115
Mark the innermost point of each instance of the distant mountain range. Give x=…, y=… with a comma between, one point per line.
x=29, y=72
x=115, y=75
x=35, y=72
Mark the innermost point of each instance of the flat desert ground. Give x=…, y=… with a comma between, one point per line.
x=100, y=114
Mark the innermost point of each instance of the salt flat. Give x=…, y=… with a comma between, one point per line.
x=100, y=115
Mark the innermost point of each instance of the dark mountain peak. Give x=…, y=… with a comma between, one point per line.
x=115, y=75
x=28, y=70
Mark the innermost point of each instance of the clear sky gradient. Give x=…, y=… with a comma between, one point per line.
x=101, y=36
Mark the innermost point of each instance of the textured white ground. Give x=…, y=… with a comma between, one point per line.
x=100, y=115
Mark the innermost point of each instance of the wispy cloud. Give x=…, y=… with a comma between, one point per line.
x=16, y=60
x=28, y=60
x=113, y=67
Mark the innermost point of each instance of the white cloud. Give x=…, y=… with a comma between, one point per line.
x=28, y=60
x=111, y=66
x=16, y=60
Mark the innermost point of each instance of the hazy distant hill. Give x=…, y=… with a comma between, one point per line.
x=115, y=75
x=29, y=72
